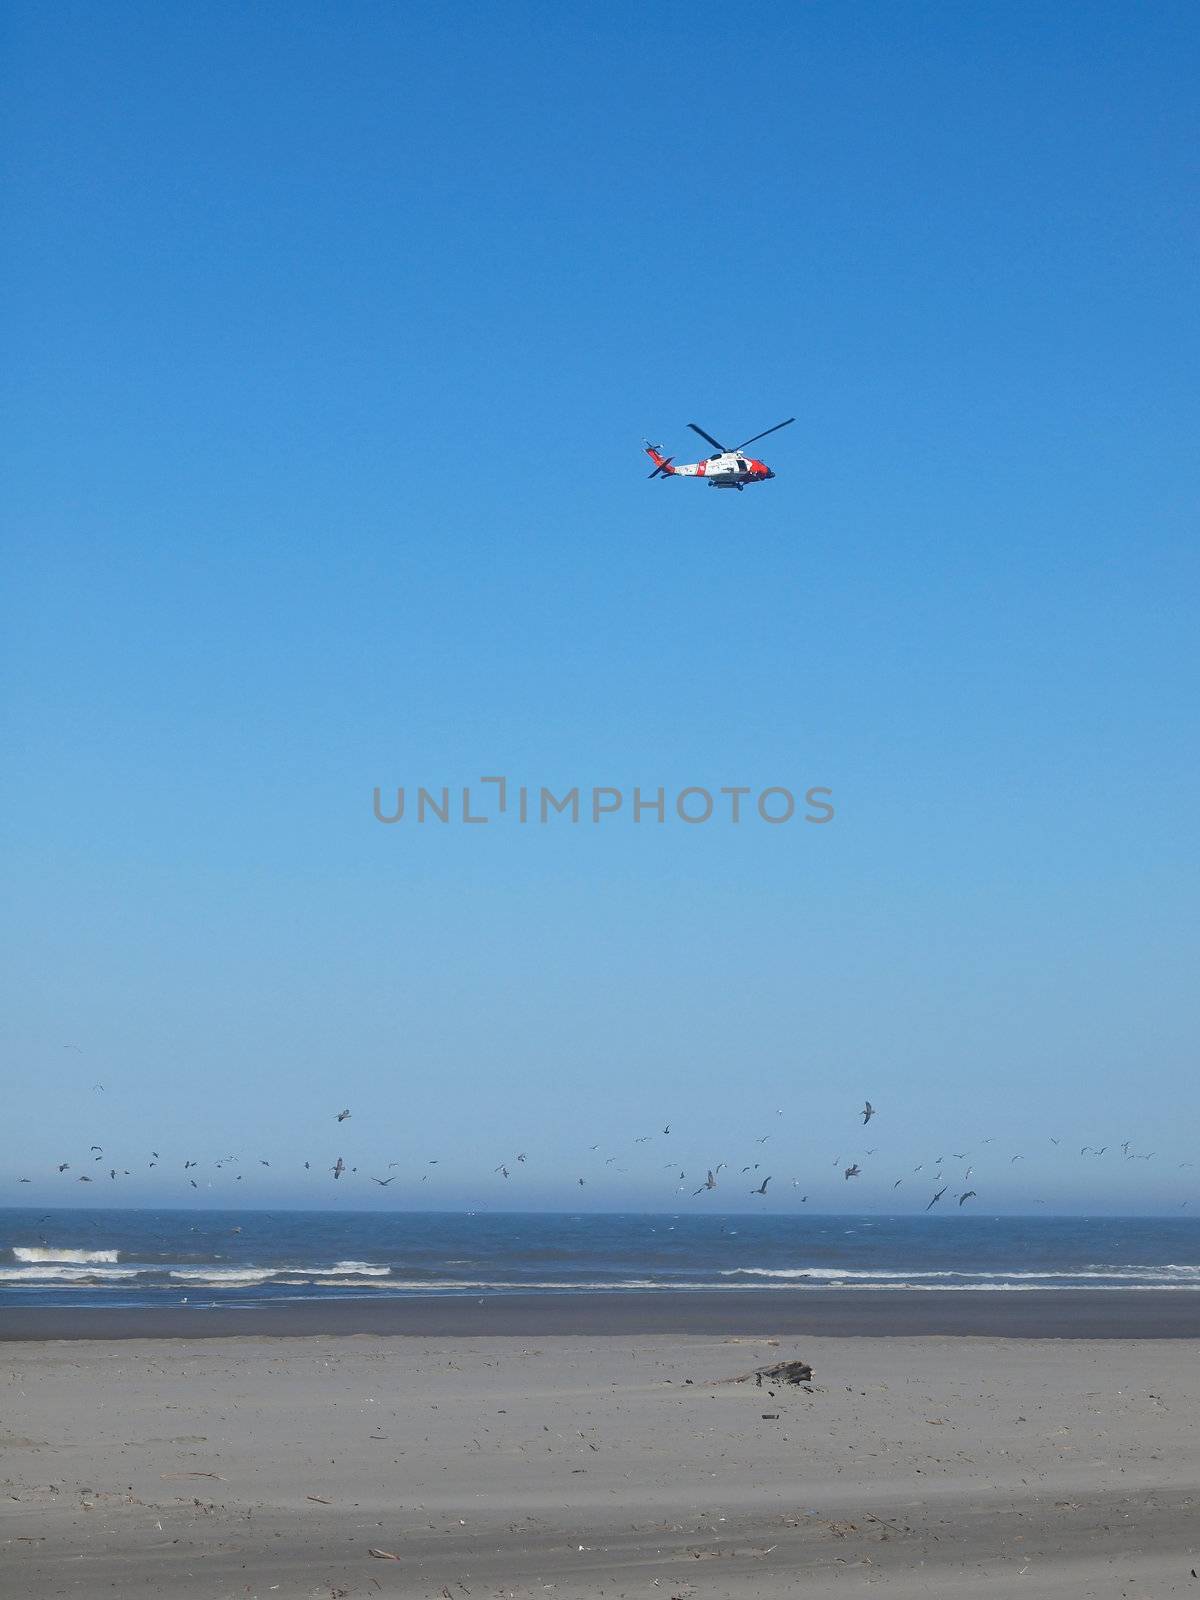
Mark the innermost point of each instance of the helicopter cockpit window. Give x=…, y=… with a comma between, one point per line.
x=741, y=465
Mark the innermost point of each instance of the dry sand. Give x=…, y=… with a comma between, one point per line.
x=571, y=1467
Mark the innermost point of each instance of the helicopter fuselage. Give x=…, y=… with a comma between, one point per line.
x=727, y=471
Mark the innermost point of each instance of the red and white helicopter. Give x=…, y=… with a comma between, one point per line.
x=728, y=469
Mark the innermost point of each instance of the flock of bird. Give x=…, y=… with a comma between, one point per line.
x=937, y=1169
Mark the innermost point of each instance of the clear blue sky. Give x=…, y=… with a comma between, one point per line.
x=332, y=333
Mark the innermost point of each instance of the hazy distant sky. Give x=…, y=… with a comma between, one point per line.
x=332, y=333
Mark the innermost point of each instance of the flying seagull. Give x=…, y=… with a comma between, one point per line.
x=868, y=1111
x=342, y=1115
x=709, y=1183
x=338, y=1168
x=936, y=1198
x=64, y=1166
x=383, y=1182
x=852, y=1172
x=970, y=1195
x=762, y=1188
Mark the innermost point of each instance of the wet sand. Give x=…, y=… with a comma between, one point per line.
x=621, y=1465
x=1035, y=1314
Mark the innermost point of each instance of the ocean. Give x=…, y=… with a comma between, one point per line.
x=221, y=1258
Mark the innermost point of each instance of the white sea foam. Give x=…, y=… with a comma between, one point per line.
x=43, y=1252
x=827, y=1272
x=219, y=1275
x=353, y=1283
x=363, y=1269
x=881, y=1276
x=432, y=1285
x=51, y=1273
x=342, y=1273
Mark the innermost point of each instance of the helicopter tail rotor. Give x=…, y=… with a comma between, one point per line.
x=662, y=464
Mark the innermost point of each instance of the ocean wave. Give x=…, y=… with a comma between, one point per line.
x=218, y=1275
x=153, y=1282
x=880, y=1275
x=364, y=1269
x=793, y=1273
x=434, y=1285
x=342, y=1283
x=50, y=1274
x=41, y=1252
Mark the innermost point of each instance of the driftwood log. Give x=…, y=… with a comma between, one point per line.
x=784, y=1372
x=781, y=1372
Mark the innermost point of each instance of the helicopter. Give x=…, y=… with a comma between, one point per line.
x=727, y=469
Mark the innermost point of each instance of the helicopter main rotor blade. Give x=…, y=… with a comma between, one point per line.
x=715, y=444
x=763, y=435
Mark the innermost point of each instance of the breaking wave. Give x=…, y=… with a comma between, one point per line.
x=1164, y=1275
x=41, y=1252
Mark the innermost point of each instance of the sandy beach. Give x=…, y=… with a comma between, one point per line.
x=618, y=1465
